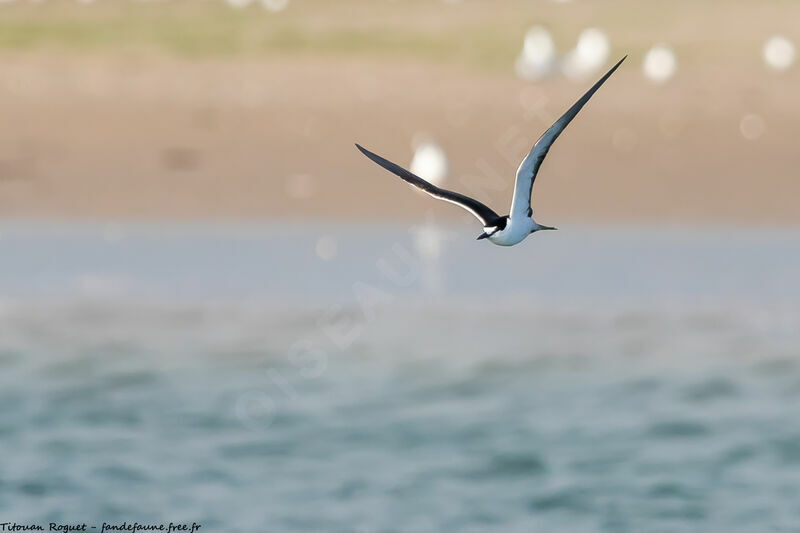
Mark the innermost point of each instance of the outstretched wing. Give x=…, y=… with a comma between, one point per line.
x=526, y=174
x=481, y=212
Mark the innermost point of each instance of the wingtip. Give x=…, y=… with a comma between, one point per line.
x=612, y=70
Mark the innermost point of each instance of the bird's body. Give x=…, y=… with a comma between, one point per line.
x=508, y=231
x=513, y=228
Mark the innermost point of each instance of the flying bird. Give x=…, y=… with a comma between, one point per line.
x=506, y=230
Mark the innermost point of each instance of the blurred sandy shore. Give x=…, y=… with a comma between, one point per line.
x=135, y=134
x=106, y=137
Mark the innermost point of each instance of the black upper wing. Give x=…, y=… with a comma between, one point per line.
x=482, y=212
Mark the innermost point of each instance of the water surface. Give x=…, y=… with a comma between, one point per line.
x=588, y=380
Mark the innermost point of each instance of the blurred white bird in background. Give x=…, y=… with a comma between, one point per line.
x=778, y=53
x=538, y=56
x=660, y=64
x=589, y=55
x=269, y=5
x=430, y=163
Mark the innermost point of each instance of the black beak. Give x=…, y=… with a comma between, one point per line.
x=482, y=236
x=546, y=227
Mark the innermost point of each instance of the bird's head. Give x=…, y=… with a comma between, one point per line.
x=494, y=227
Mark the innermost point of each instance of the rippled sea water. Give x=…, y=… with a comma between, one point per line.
x=589, y=380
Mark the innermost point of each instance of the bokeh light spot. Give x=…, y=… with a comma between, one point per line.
x=752, y=126
x=429, y=161
x=275, y=5
x=589, y=55
x=326, y=248
x=538, y=54
x=660, y=64
x=779, y=52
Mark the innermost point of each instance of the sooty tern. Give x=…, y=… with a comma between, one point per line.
x=510, y=229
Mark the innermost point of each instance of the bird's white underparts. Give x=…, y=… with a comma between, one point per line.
x=506, y=230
